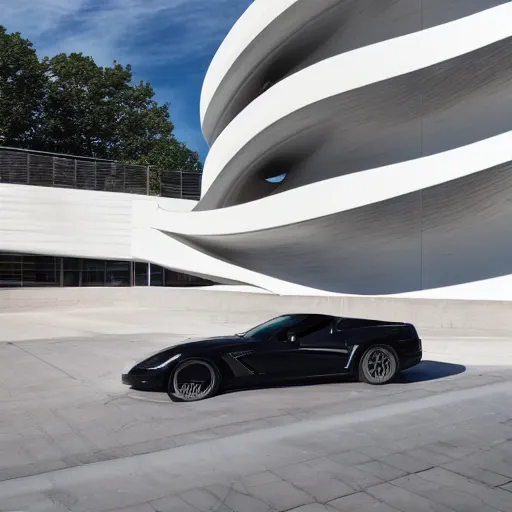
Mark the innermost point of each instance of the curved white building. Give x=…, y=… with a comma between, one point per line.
x=359, y=147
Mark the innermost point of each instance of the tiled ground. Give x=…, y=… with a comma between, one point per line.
x=410, y=447
x=73, y=439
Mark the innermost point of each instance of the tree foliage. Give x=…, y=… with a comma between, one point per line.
x=69, y=104
x=22, y=86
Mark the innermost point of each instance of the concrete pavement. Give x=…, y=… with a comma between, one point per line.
x=438, y=445
x=73, y=438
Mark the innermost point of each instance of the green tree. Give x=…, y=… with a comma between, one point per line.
x=94, y=111
x=22, y=88
x=68, y=104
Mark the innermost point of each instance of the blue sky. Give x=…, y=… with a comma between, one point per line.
x=168, y=42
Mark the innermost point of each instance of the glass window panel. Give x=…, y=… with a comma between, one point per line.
x=93, y=273
x=10, y=270
x=118, y=273
x=141, y=273
x=41, y=271
x=157, y=275
x=71, y=278
x=173, y=278
x=72, y=272
x=72, y=264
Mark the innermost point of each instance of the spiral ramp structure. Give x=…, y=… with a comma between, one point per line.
x=357, y=147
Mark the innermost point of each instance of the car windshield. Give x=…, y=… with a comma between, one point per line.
x=267, y=329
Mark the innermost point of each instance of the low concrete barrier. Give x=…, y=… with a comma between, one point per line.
x=239, y=307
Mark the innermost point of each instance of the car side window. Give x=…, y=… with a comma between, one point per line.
x=317, y=334
x=349, y=323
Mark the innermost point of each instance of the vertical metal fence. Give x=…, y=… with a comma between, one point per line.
x=181, y=184
x=24, y=167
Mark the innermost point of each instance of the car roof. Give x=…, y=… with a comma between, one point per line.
x=334, y=317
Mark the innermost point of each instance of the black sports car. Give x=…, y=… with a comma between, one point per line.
x=286, y=348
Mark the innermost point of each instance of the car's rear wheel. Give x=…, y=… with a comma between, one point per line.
x=193, y=380
x=379, y=365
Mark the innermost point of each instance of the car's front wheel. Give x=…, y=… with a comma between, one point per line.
x=379, y=365
x=193, y=380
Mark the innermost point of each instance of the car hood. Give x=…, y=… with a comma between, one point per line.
x=201, y=343
x=206, y=343
x=189, y=346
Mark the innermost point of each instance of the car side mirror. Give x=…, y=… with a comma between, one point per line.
x=291, y=337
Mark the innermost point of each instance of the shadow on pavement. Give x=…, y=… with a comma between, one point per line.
x=423, y=372
x=430, y=370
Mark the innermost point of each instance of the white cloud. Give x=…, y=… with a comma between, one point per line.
x=34, y=18
x=152, y=35
x=109, y=29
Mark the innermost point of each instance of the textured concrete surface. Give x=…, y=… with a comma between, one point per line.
x=405, y=244
x=73, y=438
x=146, y=309
x=71, y=222
x=231, y=83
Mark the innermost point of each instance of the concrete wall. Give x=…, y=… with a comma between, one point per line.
x=375, y=59
x=284, y=259
x=400, y=99
x=425, y=314
x=107, y=225
x=416, y=228
x=64, y=222
x=270, y=42
x=454, y=233
x=400, y=119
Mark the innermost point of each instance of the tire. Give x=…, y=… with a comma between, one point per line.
x=378, y=366
x=192, y=391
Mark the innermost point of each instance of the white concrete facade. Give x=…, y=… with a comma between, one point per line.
x=392, y=121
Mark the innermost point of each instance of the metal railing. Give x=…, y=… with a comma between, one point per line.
x=180, y=184
x=26, y=167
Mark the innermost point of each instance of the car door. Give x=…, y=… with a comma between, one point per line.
x=274, y=359
x=323, y=350
x=280, y=358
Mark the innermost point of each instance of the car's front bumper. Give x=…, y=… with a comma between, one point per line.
x=146, y=381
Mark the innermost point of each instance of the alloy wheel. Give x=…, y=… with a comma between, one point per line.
x=379, y=365
x=193, y=380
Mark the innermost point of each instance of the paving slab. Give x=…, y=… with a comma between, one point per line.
x=404, y=500
x=360, y=502
x=279, y=494
x=73, y=438
x=381, y=470
x=468, y=468
x=321, y=478
x=491, y=497
x=444, y=495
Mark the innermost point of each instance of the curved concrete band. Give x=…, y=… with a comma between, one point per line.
x=382, y=87
x=274, y=40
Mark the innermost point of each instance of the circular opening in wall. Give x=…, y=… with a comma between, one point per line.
x=276, y=179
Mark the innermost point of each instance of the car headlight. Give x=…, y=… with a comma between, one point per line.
x=158, y=361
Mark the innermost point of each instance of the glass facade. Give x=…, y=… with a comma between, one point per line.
x=25, y=270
